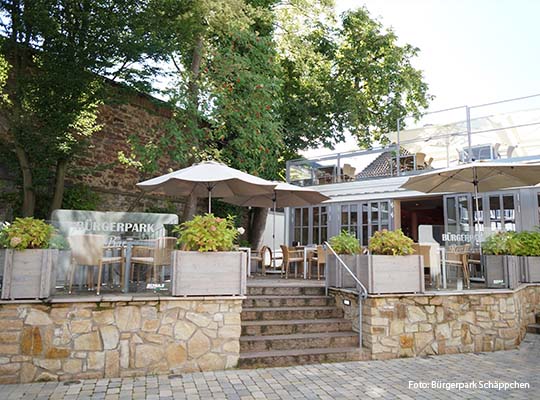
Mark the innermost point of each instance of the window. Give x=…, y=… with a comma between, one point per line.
x=320, y=225
x=363, y=219
x=502, y=215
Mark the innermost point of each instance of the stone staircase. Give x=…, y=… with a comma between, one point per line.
x=535, y=328
x=294, y=325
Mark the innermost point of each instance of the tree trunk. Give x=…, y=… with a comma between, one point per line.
x=29, y=196
x=59, y=181
x=257, y=225
x=190, y=208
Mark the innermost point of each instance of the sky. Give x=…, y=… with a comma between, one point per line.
x=472, y=52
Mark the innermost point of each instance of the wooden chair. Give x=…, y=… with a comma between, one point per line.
x=319, y=259
x=156, y=256
x=348, y=173
x=461, y=261
x=420, y=160
x=260, y=256
x=273, y=267
x=291, y=255
x=87, y=250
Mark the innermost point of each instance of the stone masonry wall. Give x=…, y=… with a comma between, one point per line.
x=63, y=341
x=417, y=325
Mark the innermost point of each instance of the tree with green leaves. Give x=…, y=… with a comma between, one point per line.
x=225, y=87
x=259, y=81
x=58, y=59
x=346, y=75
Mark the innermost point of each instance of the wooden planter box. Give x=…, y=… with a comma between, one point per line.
x=530, y=269
x=392, y=274
x=208, y=274
x=379, y=274
x=28, y=274
x=502, y=271
x=337, y=275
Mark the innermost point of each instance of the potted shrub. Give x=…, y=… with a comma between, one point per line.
x=29, y=264
x=391, y=265
x=347, y=247
x=207, y=263
x=529, y=252
x=499, y=257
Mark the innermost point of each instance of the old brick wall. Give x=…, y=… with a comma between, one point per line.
x=98, y=168
x=76, y=340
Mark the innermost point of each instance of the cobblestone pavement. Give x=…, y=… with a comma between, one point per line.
x=352, y=380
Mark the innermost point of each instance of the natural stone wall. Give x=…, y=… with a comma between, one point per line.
x=62, y=341
x=417, y=325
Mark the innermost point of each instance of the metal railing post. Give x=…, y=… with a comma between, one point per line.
x=362, y=291
x=469, y=137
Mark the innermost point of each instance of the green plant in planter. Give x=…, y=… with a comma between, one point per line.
x=3, y=235
x=345, y=243
x=529, y=244
x=207, y=233
x=502, y=243
x=28, y=233
x=390, y=243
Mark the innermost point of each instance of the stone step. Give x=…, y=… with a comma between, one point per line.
x=287, y=327
x=534, y=328
x=298, y=341
x=285, y=291
x=290, y=313
x=288, y=301
x=282, y=358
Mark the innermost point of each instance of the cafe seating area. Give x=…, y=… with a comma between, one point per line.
x=123, y=266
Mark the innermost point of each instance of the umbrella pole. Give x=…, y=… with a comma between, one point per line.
x=209, y=199
x=274, y=232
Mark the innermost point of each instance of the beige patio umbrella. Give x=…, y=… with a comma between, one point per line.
x=283, y=195
x=475, y=177
x=209, y=178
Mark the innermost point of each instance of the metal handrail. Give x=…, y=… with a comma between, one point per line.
x=362, y=291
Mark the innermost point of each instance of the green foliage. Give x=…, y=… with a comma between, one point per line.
x=502, y=243
x=3, y=235
x=58, y=242
x=80, y=197
x=345, y=243
x=392, y=243
x=348, y=75
x=28, y=233
x=207, y=233
x=529, y=244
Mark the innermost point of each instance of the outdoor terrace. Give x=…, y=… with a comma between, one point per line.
x=503, y=131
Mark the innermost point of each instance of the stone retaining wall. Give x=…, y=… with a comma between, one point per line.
x=63, y=341
x=417, y=325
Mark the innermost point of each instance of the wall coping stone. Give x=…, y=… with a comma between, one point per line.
x=478, y=292
x=120, y=298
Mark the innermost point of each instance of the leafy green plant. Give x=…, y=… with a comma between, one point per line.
x=80, y=197
x=3, y=235
x=207, y=233
x=529, y=244
x=391, y=243
x=502, y=243
x=345, y=243
x=28, y=233
x=58, y=242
